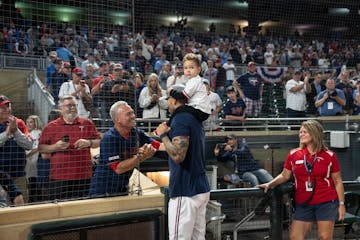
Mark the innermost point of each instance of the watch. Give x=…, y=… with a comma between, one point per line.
x=342, y=203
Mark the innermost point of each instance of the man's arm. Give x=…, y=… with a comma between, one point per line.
x=177, y=148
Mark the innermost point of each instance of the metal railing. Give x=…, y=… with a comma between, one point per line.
x=39, y=97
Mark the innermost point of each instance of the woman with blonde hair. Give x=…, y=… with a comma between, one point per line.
x=319, y=191
x=153, y=99
x=34, y=126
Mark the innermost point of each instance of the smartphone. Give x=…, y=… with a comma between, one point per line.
x=65, y=138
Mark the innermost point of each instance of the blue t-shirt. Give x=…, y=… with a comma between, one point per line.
x=189, y=177
x=250, y=84
x=114, y=147
x=330, y=106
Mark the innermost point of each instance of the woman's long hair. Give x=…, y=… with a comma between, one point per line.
x=316, y=131
x=157, y=89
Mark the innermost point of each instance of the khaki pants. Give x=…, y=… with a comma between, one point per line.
x=21, y=183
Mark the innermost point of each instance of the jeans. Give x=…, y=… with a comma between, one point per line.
x=257, y=176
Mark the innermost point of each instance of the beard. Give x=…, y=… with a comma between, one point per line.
x=70, y=116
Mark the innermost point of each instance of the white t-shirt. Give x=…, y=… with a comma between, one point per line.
x=67, y=88
x=295, y=100
x=197, y=95
x=31, y=161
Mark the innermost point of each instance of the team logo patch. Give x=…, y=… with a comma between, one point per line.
x=113, y=158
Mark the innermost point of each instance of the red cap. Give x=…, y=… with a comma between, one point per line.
x=66, y=65
x=251, y=64
x=218, y=60
x=4, y=100
x=77, y=71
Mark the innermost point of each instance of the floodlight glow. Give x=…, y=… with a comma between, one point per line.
x=339, y=11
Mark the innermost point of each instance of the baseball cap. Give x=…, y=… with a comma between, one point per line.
x=230, y=89
x=206, y=81
x=176, y=92
x=230, y=136
x=77, y=71
x=229, y=59
x=251, y=64
x=66, y=65
x=4, y=100
x=179, y=65
x=52, y=54
x=297, y=71
x=218, y=60
x=118, y=66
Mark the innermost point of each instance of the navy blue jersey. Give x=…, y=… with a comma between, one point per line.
x=250, y=84
x=189, y=177
x=114, y=147
x=234, y=109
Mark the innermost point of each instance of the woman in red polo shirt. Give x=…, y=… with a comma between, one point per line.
x=319, y=191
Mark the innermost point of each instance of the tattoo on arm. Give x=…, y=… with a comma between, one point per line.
x=177, y=148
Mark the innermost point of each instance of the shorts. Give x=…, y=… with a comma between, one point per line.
x=327, y=211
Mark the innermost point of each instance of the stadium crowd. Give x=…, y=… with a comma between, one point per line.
x=315, y=77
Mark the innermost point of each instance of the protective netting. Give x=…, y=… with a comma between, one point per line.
x=111, y=48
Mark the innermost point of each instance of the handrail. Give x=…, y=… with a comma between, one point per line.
x=42, y=100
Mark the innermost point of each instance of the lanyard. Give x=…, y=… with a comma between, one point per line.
x=309, y=166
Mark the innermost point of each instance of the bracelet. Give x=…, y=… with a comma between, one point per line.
x=162, y=136
x=91, y=143
x=342, y=203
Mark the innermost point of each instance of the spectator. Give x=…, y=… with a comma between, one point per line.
x=210, y=74
x=153, y=99
x=21, y=47
x=220, y=78
x=59, y=77
x=251, y=90
x=296, y=94
x=234, y=109
x=122, y=148
x=132, y=65
x=89, y=60
x=64, y=53
x=178, y=77
x=10, y=193
x=78, y=89
x=51, y=67
x=159, y=63
x=244, y=163
x=14, y=140
x=330, y=101
x=33, y=125
x=346, y=86
x=215, y=104
x=164, y=74
x=117, y=89
x=356, y=96
x=68, y=139
x=139, y=85
x=189, y=191
x=230, y=68
x=317, y=86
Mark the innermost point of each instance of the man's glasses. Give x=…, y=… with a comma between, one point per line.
x=69, y=106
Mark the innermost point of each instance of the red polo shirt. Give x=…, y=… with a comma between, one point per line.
x=70, y=164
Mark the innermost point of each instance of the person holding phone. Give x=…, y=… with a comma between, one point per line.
x=79, y=89
x=68, y=140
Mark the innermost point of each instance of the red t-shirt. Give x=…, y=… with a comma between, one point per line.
x=71, y=164
x=324, y=164
x=97, y=80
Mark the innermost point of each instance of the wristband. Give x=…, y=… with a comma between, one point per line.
x=342, y=203
x=162, y=136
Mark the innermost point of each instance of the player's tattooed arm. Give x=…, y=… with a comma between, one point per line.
x=177, y=148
